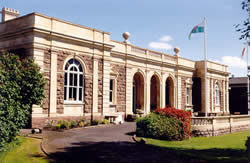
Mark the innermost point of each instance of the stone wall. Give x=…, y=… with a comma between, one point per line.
x=46, y=103
x=183, y=92
x=220, y=125
x=88, y=80
x=100, y=85
x=121, y=87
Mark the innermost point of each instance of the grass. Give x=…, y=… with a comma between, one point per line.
x=24, y=150
x=226, y=148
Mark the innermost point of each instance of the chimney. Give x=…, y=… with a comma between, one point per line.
x=8, y=14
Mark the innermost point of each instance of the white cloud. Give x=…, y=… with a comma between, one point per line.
x=236, y=65
x=162, y=43
x=166, y=38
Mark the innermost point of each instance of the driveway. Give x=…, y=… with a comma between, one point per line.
x=111, y=143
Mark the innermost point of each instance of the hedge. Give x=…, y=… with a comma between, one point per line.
x=21, y=86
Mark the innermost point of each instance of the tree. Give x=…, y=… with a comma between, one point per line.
x=21, y=86
x=244, y=28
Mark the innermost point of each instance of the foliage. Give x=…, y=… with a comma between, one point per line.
x=159, y=126
x=21, y=86
x=184, y=117
x=72, y=124
x=105, y=121
x=244, y=28
x=81, y=124
x=95, y=122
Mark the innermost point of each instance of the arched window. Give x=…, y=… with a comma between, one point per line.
x=217, y=94
x=73, y=81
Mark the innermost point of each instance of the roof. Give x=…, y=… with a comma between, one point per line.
x=238, y=80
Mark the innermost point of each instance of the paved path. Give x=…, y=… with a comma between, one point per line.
x=111, y=143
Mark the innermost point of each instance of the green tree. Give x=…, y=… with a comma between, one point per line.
x=21, y=86
x=244, y=28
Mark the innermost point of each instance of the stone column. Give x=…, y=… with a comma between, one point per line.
x=106, y=78
x=129, y=92
x=53, y=85
x=179, y=92
x=212, y=95
x=95, y=86
x=148, y=92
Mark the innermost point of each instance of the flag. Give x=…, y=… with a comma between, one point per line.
x=244, y=50
x=197, y=29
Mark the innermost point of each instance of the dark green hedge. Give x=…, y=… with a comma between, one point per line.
x=21, y=86
x=159, y=127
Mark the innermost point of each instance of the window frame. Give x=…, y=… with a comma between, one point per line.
x=76, y=86
x=217, y=94
x=114, y=91
x=188, y=95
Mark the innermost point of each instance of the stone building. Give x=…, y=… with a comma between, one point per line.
x=90, y=75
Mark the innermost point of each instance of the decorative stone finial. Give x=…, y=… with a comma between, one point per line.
x=176, y=50
x=126, y=36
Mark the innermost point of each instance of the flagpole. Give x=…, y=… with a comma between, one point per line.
x=205, y=65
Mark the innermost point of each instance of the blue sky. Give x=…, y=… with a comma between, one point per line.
x=156, y=24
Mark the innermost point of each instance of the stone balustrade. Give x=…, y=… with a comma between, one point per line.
x=219, y=125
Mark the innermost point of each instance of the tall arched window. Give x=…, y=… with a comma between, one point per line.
x=73, y=81
x=217, y=94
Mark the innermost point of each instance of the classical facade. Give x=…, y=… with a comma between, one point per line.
x=90, y=75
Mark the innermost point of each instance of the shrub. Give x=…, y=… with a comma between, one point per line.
x=159, y=127
x=87, y=123
x=184, y=117
x=95, y=122
x=64, y=124
x=81, y=124
x=21, y=86
x=72, y=124
x=105, y=121
x=58, y=126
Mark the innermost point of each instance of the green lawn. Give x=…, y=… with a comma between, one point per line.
x=226, y=148
x=27, y=150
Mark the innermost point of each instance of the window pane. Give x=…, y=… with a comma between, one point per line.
x=70, y=94
x=81, y=80
x=74, y=94
x=77, y=62
x=80, y=68
x=80, y=94
x=111, y=84
x=71, y=61
x=66, y=66
x=71, y=79
x=75, y=79
x=65, y=78
x=65, y=93
x=110, y=96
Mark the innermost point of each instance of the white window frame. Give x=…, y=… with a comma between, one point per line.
x=188, y=95
x=217, y=94
x=78, y=87
x=114, y=91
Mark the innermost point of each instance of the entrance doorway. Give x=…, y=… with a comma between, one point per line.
x=154, y=93
x=169, y=92
x=138, y=92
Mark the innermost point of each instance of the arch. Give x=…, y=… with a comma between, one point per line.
x=73, y=81
x=138, y=92
x=169, y=92
x=81, y=60
x=139, y=71
x=154, y=92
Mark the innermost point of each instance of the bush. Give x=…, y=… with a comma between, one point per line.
x=58, y=126
x=95, y=122
x=184, y=117
x=21, y=86
x=72, y=124
x=105, y=121
x=81, y=124
x=87, y=123
x=159, y=127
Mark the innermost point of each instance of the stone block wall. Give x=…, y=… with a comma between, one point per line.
x=100, y=85
x=183, y=92
x=46, y=100
x=121, y=87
